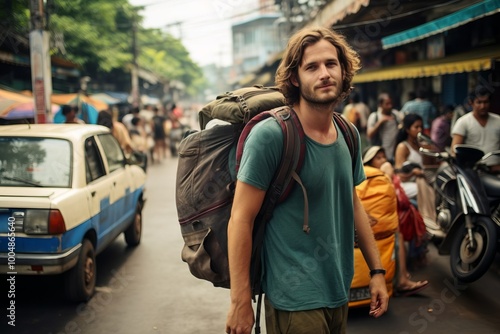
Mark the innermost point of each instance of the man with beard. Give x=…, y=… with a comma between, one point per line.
x=383, y=124
x=307, y=276
x=480, y=127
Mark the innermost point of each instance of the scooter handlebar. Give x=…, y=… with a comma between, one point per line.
x=440, y=155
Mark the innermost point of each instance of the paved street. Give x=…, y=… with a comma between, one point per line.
x=150, y=290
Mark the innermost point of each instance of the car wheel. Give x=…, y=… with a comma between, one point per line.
x=80, y=280
x=134, y=231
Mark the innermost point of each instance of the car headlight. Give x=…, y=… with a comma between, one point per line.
x=39, y=221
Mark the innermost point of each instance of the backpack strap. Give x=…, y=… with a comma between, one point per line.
x=292, y=159
x=350, y=136
x=293, y=150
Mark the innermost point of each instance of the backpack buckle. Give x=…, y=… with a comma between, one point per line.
x=284, y=114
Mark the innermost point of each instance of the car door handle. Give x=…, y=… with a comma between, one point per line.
x=92, y=193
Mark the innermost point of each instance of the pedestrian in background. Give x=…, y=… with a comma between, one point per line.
x=159, y=135
x=383, y=126
x=314, y=75
x=374, y=158
x=409, y=167
x=480, y=127
x=118, y=130
x=70, y=112
x=408, y=159
x=422, y=107
x=440, y=129
x=357, y=112
x=127, y=119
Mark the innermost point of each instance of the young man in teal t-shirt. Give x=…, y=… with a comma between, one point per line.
x=307, y=275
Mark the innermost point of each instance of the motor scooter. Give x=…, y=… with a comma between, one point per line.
x=467, y=210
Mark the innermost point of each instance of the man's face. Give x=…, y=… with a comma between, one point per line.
x=481, y=105
x=320, y=74
x=386, y=106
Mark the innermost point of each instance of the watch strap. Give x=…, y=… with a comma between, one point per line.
x=377, y=271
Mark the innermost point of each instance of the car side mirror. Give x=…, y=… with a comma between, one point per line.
x=139, y=159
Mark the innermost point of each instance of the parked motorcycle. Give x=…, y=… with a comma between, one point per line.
x=467, y=210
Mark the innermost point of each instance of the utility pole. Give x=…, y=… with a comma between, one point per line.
x=41, y=76
x=135, y=67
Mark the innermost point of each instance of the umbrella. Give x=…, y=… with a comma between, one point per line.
x=9, y=100
x=76, y=99
x=23, y=110
x=103, y=97
x=17, y=106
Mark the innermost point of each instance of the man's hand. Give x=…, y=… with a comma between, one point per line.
x=385, y=118
x=379, y=296
x=240, y=318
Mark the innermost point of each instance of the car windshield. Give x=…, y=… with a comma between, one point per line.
x=35, y=162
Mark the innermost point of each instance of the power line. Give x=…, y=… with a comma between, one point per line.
x=200, y=21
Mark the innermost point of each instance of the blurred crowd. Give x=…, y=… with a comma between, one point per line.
x=391, y=143
x=154, y=132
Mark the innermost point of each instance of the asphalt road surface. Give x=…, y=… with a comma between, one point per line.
x=148, y=289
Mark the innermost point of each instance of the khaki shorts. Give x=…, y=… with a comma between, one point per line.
x=318, y=321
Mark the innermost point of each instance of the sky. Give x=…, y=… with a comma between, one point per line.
x=204, y=26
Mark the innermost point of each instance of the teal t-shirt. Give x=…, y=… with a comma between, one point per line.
x=306, y=271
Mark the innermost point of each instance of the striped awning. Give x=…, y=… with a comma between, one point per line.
x=461, y=17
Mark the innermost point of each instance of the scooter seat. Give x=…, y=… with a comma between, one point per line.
x=491, y=184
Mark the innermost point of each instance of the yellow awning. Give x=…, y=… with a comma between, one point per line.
x=466, y=62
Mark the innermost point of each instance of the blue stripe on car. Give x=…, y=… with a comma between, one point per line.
x=60, y=243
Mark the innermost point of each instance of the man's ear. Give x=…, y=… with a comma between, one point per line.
x=294, y=81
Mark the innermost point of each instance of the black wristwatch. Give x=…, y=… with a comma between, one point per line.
x=377, y=271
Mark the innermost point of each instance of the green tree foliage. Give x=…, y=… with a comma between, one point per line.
x=98, y=37
x=92, y=36
x=14, y=14
x=165, y=55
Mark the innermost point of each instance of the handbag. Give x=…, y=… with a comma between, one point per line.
x=411, y=223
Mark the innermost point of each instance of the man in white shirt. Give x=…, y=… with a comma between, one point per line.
x=480, y=127
x=382, y=127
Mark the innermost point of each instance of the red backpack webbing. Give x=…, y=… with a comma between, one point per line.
x=350, y=136
x=293, y=147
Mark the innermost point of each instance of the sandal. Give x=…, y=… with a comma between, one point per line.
x=411, y=290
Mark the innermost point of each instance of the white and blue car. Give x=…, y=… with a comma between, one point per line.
x=66, y=192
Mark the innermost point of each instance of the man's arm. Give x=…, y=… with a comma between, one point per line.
x=373, y=130
x=246, y=205
x=378, y=289
x=457, y=139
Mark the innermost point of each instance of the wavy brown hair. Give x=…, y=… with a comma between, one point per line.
x=292, y=58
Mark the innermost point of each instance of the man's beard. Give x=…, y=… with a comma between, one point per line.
x=313, y=99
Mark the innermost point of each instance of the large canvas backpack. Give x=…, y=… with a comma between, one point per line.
x=206, y=176
x=240, y=105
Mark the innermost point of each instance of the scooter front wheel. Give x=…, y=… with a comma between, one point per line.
x=469, y=261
